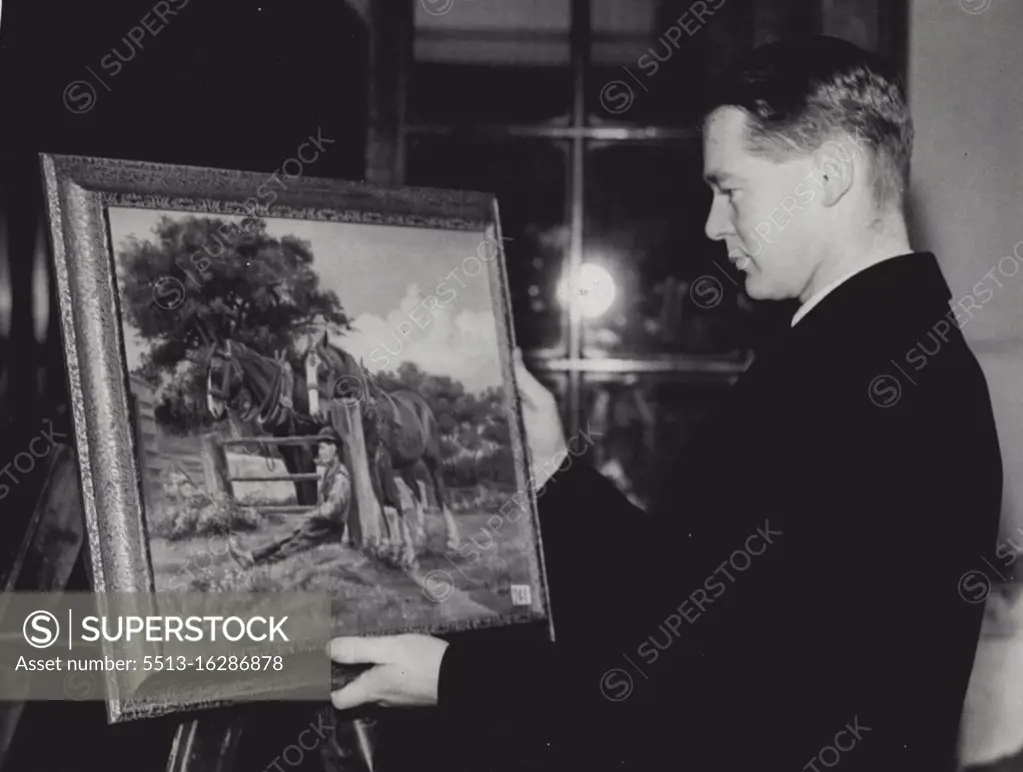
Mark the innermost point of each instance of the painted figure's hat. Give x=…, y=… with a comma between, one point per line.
x=331, y=434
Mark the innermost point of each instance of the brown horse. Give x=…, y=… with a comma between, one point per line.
x=401, y=434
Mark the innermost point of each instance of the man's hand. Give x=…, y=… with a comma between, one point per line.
x=406, y=672
x=545, y=436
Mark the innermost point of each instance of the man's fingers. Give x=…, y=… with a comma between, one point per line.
x=521, y=376
x=530, y=389
x=355, y=651
x=362, y=690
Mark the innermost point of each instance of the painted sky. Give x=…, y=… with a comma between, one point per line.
x=381, y=273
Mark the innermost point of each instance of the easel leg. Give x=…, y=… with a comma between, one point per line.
x=209, y=744
x=47, y=556
x=352, y=745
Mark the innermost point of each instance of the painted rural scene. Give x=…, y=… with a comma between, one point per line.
x=321, y=406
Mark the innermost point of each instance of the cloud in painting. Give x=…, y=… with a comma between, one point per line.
x=460, y=343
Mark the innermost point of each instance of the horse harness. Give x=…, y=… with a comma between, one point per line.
x=373, y=404
x=278, y=399
x=276, y=406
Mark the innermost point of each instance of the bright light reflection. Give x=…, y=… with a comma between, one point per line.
x=592, y=292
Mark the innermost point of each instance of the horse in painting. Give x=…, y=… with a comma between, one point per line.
x=401, y=435
x=265, y=391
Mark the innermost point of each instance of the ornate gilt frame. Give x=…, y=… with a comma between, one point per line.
x=79, y=190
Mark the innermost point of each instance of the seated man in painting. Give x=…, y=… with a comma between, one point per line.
x=799, y=597
x=323, y=525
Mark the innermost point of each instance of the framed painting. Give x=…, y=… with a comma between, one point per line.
x=296, y=385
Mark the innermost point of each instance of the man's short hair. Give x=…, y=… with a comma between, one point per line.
x=799, y=94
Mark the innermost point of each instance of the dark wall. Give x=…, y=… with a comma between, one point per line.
x=236, y=83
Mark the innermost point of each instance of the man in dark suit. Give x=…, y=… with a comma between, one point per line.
x=799, y=597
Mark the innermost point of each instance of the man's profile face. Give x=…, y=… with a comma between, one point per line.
x=766, y=211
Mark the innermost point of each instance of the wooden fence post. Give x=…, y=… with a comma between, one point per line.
x=365, y=514
x=214, y=466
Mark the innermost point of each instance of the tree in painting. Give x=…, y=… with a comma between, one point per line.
x=255, y=288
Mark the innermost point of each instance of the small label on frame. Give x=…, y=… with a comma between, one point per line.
x=521, y=595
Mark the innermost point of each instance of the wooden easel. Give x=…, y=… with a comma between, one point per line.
x=48, y=553
x=52, y=545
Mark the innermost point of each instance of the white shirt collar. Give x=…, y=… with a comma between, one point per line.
x=824, y=291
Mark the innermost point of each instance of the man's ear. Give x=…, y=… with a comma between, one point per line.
x=835, y=169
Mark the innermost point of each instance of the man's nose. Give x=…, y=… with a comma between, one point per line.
x=718, y=221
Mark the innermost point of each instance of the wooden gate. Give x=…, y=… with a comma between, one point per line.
x=365, y=515
x=219, y=479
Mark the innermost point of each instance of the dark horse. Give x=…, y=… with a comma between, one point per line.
x=400, y=430
x=265, y=390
